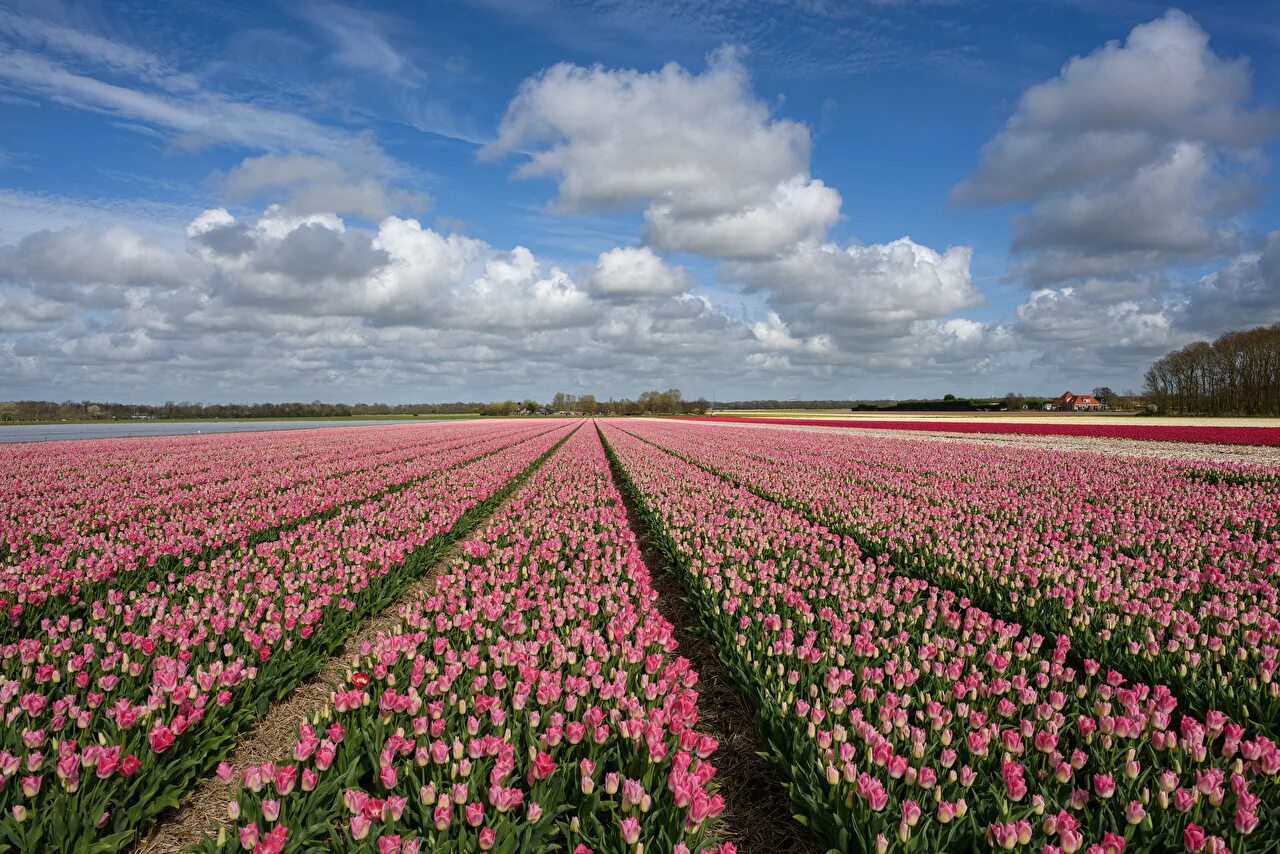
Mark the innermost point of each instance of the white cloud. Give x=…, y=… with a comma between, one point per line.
x=1097, y=328
x=719, y=174
x=313, y=184
x=1118, y=109
x=86, y=71
x=774, y=334
x=861, y=292
x=797, y=209
x=515, y=292
x=1133, y=157
x=198, y=118
x=90, y=254
x=636, y=272
x=23, y=213
x=94, y=49
x=282, y=302
x=615, y=136
x=1162, y=212
x=1245, y=293
x=24, y=311
x=361, y=41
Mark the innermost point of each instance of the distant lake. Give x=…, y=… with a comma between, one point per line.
x=124, y=429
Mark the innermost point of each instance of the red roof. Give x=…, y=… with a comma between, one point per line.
x=1068, y=399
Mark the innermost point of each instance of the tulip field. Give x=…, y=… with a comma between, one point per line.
x=943, y=646
x=118, y=705
x=985, y=648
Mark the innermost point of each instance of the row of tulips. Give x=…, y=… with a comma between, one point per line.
x=111, y=716
x=59, y=491
x=213, y=498
x=1098, y=429
x=907, y=719
x=531, y=702
x=1165, y=568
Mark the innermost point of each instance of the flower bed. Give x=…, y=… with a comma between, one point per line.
x=111, y=716
x=67, y=536
x=905, y=717
x=531, y=702
x=1269, y=436
x=1164, y=569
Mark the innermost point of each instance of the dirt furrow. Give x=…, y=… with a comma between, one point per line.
x=758, y=818
x=273, y=738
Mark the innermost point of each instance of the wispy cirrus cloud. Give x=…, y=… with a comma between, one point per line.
x=800, y=38
x=361, y=39
x=193, y=118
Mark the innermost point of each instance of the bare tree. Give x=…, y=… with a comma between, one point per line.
x=1238, y=374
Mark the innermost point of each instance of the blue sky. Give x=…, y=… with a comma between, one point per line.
x=1065, y=225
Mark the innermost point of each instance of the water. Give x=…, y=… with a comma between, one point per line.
x=123, y=429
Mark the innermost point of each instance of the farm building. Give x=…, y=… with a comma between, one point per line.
x=1070, y=402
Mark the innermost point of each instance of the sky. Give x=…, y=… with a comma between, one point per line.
x=471, y=200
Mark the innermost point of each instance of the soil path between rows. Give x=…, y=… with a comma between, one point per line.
x=272, y=739
x=758, y=817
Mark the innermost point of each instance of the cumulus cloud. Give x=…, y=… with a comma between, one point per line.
x=315, y=265
x=1244, y=293
x=719, y=174
x=774, y=334
x=798, y=209
x=1133, y=157
x=1118, y=109
x=24, y=311
x=1099, y=328
x=636, y=272
x=91, y=254
x=518, y=293
x=1118, y=325
x=1160, y=208
x=1075, y=317
x=313, y=184
x=859, y=292
x=284, y=302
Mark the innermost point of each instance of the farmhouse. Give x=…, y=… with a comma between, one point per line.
x=1069, y=402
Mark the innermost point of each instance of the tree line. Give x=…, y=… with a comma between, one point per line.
x=1237, y=374
x=71, y=410
x=669, y=402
